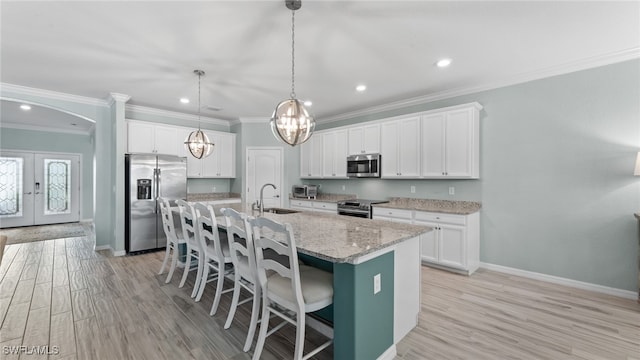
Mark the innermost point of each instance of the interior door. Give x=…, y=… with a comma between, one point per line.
x=56, y=188
x=16, y=189
x=264, y=166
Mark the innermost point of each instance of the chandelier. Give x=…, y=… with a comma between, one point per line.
x=197, y=143
x=291, y=122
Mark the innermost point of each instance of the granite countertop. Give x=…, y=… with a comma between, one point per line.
x=212, y=196
x=439, y=206
x=327, y=197
x=335, y=238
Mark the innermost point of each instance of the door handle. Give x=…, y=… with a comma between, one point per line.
x=276, y=196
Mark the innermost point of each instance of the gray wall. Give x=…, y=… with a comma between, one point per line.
x=42, y=141
x=556, y=183
x=256, y=135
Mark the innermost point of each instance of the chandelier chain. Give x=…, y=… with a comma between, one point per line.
x=293, y=54
x=199, y=77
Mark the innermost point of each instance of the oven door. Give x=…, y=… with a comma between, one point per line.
x=355, y=212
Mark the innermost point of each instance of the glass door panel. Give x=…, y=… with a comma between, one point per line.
x=16, y=189
x=56, y=188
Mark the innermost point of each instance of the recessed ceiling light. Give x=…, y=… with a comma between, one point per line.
x=308, y=103
x=443, y=62
x=184, y=100
x=25, y=107
x=361, y=88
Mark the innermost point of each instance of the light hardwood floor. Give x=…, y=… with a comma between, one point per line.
x=87, y=305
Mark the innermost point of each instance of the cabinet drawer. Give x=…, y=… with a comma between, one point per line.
x=301, y=203
x=325, y=206
x=394, y=213
x=440, y=218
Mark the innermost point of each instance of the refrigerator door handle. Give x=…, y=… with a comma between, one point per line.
x=155, y=190
x=158, y=183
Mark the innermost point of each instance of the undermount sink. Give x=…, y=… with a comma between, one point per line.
x=280, y=211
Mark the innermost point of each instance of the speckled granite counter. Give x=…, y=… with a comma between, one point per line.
x=439, y=206
x=212, y=196
x=327, y=197
x=338, y=239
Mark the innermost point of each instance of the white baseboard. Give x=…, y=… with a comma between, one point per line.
x=562, y=281
x=113, y=253
x=390, y=354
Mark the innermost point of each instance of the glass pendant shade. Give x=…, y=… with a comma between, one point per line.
x=291, y=122
x=198, y=144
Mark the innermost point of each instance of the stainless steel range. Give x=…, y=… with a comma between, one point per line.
x=358, y=207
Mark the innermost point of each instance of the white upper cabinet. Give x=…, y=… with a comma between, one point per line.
x=166, y=139
x=151, y=138
x=334, y=162
x=451, y=143
x=364, y=139
x=400, y=148
x=221, y=162
x=311, y=157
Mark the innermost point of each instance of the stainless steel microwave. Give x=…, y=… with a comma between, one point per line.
x=304, y=191
x=363, y=165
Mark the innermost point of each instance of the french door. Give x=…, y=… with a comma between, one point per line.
x=38, y=188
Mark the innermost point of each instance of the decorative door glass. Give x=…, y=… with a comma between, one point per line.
x=11, y=186
x=57, y=186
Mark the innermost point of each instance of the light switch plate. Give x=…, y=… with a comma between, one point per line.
x=452, y=190
x=377, y=286
x=413, y=189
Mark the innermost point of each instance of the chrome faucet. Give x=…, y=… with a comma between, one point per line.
x=261, y=201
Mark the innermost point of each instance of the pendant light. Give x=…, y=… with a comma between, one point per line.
x=291, y=122
x=197, y=143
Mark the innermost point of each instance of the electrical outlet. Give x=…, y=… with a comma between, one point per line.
x=214, y=189
x=377, y=286
x=413, y=189
x=344, y=187
x=452, y=190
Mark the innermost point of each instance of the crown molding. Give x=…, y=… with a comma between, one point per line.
x=173, y=114
x=566, y=68
x=45, y=129
x=250, y=120
x=23, y=90
x=115, y=97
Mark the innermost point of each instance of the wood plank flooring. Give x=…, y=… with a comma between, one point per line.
x=84, y=304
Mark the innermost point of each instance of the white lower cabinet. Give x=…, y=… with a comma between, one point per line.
x=312, y=205
x=454, y=242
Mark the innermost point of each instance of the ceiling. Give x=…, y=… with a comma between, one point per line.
x=149, y=49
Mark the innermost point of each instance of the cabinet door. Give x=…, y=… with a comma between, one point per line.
x=211, y=164
x=356, y=145
x=329, y=154
x=166, y=141
x=340, y=154
x=429, y=246
x=389, y=149
x=315, y=162
x=371, y=139
x=194, y=166
x=433, y=135
x=408, y=147
x=140, y=137
x=305, y=159
x=331, y=208
x=228, y=160
x=458, y=143
x=452, y=246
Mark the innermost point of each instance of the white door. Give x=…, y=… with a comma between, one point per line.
x=38, y=189
x=57, y=188
x=16, y=189
x=264, y=166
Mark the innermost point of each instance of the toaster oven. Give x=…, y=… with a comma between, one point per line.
x=304, y=191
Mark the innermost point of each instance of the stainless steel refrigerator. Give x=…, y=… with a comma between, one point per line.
x=149, y=177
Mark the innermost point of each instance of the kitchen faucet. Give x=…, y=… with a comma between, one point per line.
x=261, y=201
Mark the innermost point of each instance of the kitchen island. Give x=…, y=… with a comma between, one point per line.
x=376, y=275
